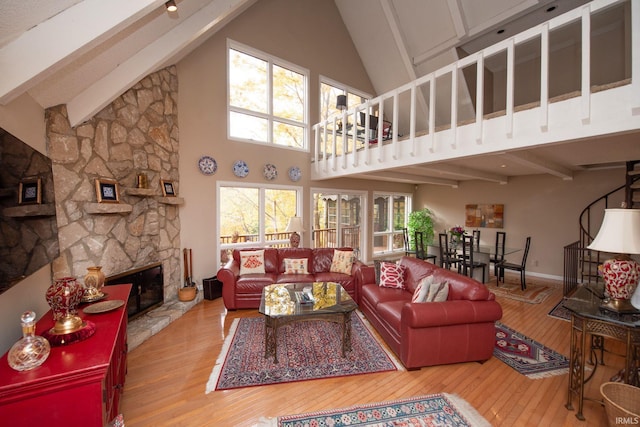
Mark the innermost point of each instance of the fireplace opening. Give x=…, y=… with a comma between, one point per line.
x=147, y=290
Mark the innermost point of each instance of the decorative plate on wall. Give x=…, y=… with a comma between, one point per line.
x=295, y=173
x=240, y=169
x=270, y=171
x=207, y=165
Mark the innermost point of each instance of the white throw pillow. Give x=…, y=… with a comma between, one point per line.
x=252, y=262
x=422, y=290
x=341, y=262
x=438, y=292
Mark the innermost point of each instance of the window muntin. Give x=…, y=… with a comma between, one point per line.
x=337, y=219
x=255, y=216
x=329, y=91
x=268, y=100
x=390, y=216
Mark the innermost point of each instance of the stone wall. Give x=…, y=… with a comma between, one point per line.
x=136, y=133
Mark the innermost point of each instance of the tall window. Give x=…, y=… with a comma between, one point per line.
x=390, y=216
x=255, y=216
x=337, y=220
x=267, y=98
x=329, y=91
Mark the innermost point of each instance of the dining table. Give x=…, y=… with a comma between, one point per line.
x=483, y=254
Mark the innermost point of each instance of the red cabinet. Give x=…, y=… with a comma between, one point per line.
x=80, y=383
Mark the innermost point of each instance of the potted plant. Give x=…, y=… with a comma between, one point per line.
x=420, y=221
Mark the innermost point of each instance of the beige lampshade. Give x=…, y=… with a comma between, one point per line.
x=619, y=232
x=295, y=225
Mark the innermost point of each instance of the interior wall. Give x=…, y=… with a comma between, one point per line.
x=307, y=33
x=541, y=206
x=24, y=118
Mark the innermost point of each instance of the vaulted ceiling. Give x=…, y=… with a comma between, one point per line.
x=85, y=53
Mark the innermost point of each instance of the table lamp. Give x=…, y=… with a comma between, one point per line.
x=295, y=227
x=619, y=234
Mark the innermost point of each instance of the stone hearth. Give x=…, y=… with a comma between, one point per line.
x=149, y=324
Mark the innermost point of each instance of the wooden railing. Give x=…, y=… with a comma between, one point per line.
x=322, y=238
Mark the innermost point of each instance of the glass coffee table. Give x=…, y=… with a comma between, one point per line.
x=285, y=303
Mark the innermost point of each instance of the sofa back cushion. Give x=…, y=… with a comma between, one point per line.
x=416, y=269
x=322, y=258
x=270, y=258
x=292, y=253
x=462, y=287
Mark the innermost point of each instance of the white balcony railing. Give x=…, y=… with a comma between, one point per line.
x=338, y=151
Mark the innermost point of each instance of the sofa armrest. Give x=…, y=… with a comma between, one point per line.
x=363, y=275
x=228, y=275
x=431, y=314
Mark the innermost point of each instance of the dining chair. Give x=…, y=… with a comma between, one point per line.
x=468, y=264
x=498, y=251
x=516, y=267
x=476, y=237
x=407, y=245
x=448, y=258
x=476, y=240
x=421, y=253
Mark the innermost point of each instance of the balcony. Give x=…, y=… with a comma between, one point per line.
x=525, y=92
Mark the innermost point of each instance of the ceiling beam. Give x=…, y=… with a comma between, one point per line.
x=468, y=173
x=410, y=178
x=392, y=20
x=543, y=165
x=182, y=38
x=401, y=44
x=56, y=42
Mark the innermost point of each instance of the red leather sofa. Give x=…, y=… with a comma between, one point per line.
x=245, y=291
x=461, y=329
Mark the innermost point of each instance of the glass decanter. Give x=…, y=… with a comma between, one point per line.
x=32, y=350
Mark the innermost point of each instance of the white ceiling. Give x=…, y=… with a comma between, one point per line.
x=85, y=53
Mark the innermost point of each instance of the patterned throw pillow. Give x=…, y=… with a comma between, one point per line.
x=252, y=262
x=438, y=292
x=295, y=266
x=341, y=262
x=392, y=275
x=422, y=290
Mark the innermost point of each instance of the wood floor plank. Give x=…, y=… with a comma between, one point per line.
x=167, y=376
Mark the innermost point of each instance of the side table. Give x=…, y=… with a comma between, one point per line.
x=79, y=384
x=588, y=319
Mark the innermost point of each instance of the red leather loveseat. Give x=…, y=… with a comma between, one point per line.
x=244, y=291
x=460, y=329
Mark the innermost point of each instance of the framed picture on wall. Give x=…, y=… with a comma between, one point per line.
x=107, y=190
x=30, y=191
x=168, y=189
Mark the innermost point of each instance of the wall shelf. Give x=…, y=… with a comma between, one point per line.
x=140, y=192
x=23, y=211
x=107, y=208
x=170, y=200
x=6, y=192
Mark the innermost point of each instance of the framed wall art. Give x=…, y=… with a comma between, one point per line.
x=484, y=215
x=107, y=190
x=168, y=189
x=30, y=191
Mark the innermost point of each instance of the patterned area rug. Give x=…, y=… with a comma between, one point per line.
x=527, y=356
x=534, y=294
x=306, y=351
x=434, y=410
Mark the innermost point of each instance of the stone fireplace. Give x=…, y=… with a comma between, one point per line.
x=136, y=134
x=147, y=288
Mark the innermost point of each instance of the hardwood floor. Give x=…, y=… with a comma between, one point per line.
x=167, y=375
